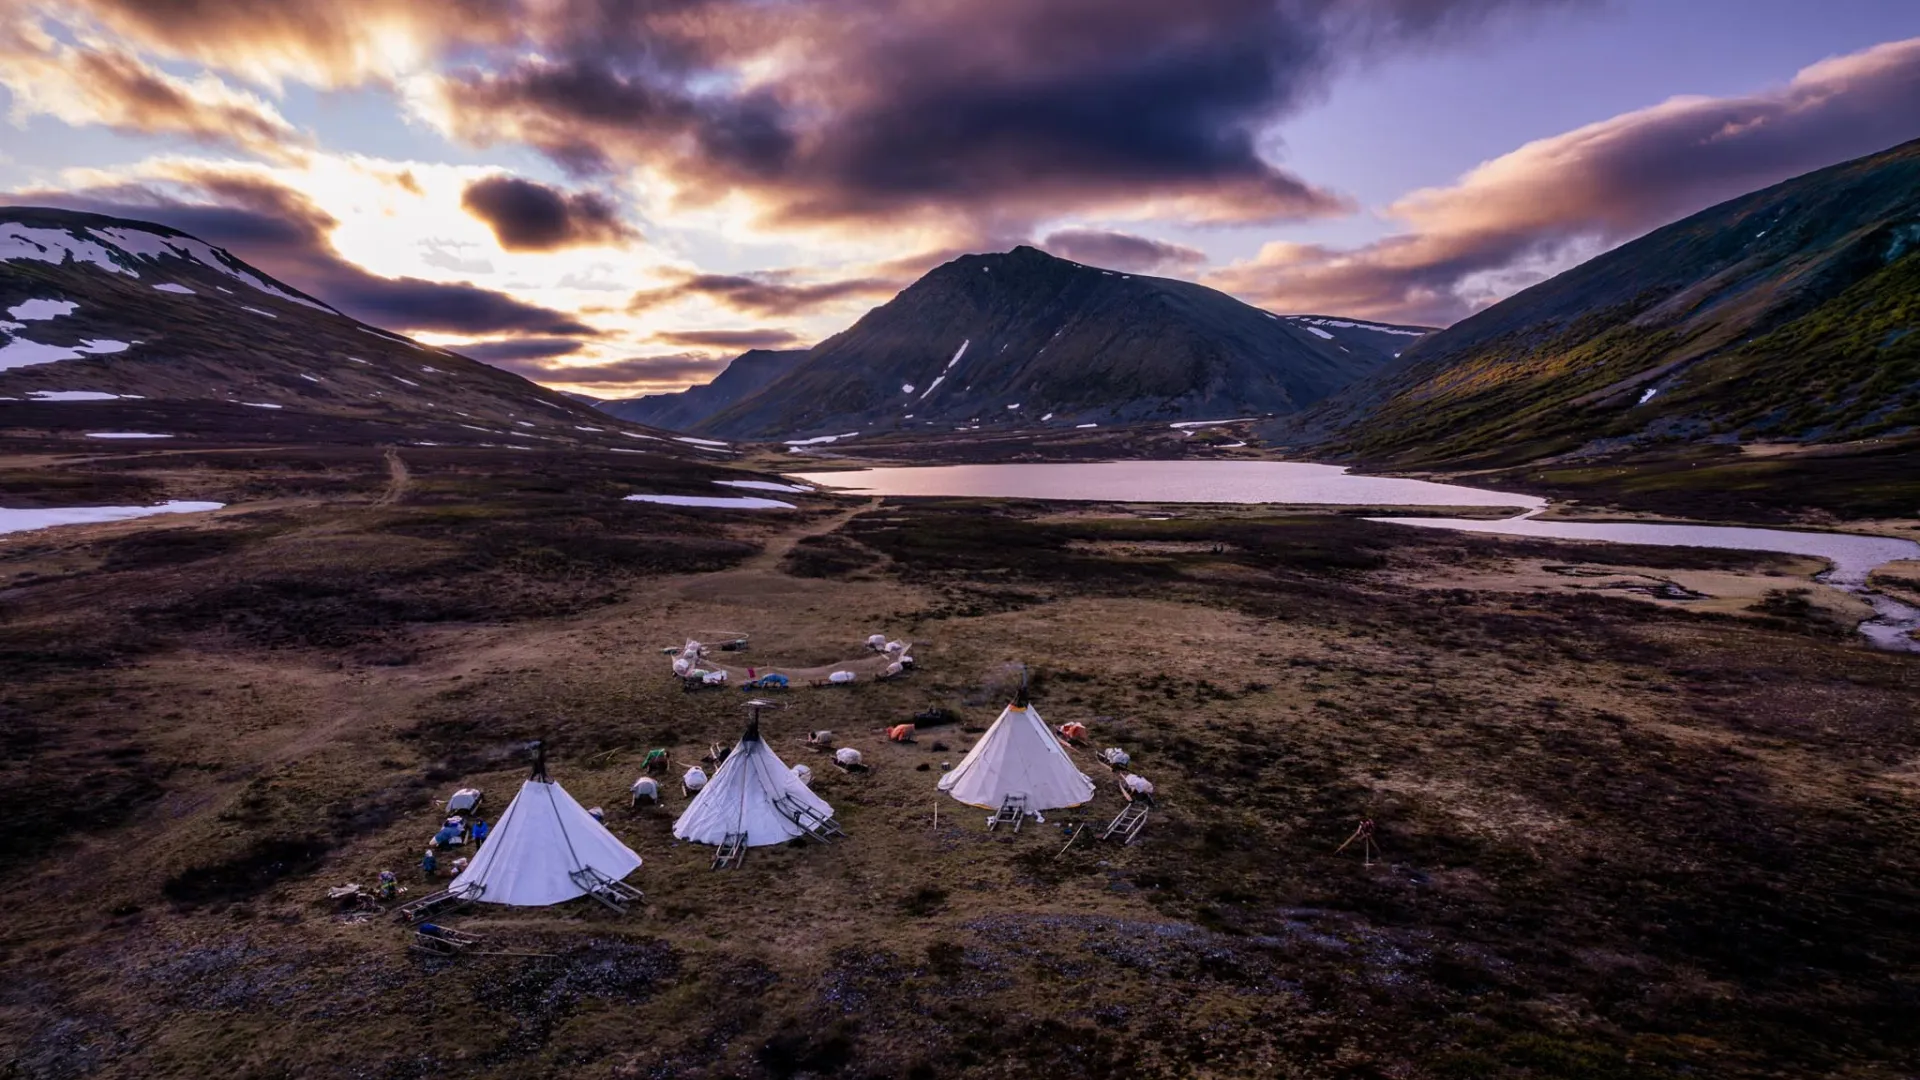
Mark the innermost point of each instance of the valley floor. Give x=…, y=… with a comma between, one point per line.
x=1621, y=836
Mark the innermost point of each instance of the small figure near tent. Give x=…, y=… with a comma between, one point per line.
x=459, y=866
x=656, y=761
x=389, y=887
x=646, y=790
x=902, y=733
x=1073, y=731
x=802, y=773
x=1116, y=757
x=478, y=831
x=429, y=865
x=694, y=780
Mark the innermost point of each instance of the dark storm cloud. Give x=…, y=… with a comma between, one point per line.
x=502, y=353
x=728, y=339
x=283, y=233
x=961, y=113
x=526, y=216
x=768, y=294
x=1513, y=220
x=1123, y=251
x=983, y=110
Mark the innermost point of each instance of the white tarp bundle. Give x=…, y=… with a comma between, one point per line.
x=544, y=837
x=841, y=677
x=847, y=755
x=1018, y=756
x=742, y=797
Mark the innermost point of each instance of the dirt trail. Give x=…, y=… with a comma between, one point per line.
x=400, y=479
x=783, y=543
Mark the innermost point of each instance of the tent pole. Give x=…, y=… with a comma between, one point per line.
x=1076, y=835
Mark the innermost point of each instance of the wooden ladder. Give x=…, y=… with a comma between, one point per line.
x=617, y=895
x=823, y=829
x=731, y=852
x=1132, y=818
x=415, y=910
x=1013, y=811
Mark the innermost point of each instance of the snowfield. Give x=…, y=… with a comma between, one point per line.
x=25, y=520
x=717, y=502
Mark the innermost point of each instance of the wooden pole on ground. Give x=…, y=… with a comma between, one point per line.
x=1077, y=830
x=936, y=815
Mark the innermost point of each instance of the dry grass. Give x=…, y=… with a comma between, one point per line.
x=1620, y=840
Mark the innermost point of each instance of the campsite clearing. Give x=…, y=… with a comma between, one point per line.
x=1615, y=838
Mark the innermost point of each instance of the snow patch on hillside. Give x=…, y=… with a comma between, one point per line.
x=54, y=246
x=12, y=521
x=818, y=439
x=1349, y=324
x=720, y=502
x=37, y=310
x=172, y=288
x=1317, y=332
x=19, y=352
x=77, y=395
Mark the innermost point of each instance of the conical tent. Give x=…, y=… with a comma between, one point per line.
x=1018, y=756
x=536, y=852
x=754, y=793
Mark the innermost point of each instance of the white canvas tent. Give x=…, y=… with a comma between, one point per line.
x=546, y=849
x=753, y=793
x=1018, y=756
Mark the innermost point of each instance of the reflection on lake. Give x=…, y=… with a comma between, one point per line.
x=1166, y=482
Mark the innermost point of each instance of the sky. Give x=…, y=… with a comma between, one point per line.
x=615, y=197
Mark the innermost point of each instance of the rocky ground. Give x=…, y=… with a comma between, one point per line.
x=1621, y=835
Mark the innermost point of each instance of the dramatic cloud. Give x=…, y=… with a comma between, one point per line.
x=830, y=113
x=338, y=43
x=503, y=353
x=526, y=216
x=100, y=84
x=1520, y=217
x=728, y=339
x=767, y=294
x=639, y=372
x=283, y=233
x=1124, y=251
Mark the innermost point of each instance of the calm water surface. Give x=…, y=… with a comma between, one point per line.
x=1167, y=482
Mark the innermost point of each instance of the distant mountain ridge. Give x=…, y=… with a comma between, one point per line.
x=129, y=327
x=683, y=410
x=1785, y=314
x=1025, y=337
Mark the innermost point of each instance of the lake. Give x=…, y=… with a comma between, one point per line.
x=1853, y=556
x=1288, y=482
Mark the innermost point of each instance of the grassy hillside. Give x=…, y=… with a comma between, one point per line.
x=1785, y=315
